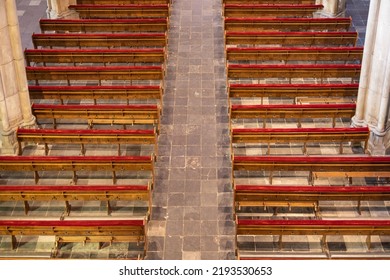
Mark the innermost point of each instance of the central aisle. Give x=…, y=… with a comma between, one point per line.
x=192, y=214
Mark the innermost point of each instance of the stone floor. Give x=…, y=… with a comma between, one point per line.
x=192, y=215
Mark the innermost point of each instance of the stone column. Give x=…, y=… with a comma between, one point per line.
x=332, y=8
x=15, y=108
x=373, y=105
x=59, y=9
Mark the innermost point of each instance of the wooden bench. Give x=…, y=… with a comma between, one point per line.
x=112, y=164
x=77, y=193
x=305, y=196
x=286, y=24
x=96, y=92
x=291, y=38
x=266, y=10
x=315, y=54
x=101, y=56
x=94, y=73
x=293, y=71
x=122, y=2
x=108, y=40
x=100, y=114
x=273, y=2
x=301, y=135
x=292, y=91
x=85, y=231
x=298, y=112
x=104, y=25
x=323, y=228
x=349, y=175
x=369, y=166
x=122, y=11
x=85, y=137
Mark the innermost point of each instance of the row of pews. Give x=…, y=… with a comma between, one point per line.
x=96, y=84
x=292, y=80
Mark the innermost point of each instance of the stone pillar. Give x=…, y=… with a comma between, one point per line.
x=332, y=8
x=15, y=107
x=59, y=9
x=373, y=104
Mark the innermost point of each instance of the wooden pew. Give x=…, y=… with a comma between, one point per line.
x=301, y=135
x=96, y=92
x=266, y=10
x=286, y=24
x=93, y=73
x=122, y=11
x=273, y=2
x=344, y=54
x=123, y=2
x=76, y=193
x=112, y=164
x=69, y=231
x=323, y=228
x=292, y=71
x=305, y=196
x=101, y=56
x=292, y=38
x=338, y=166
x=298, y=112
x=85, y=137
x=100, y=114
x=104, y=25
x=292, y=91
x=108, y=40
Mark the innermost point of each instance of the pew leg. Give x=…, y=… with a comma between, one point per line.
x=359, y=207
x=114, y=180
x=54, y=123
x=280, y=242
x=82, y=149
x=119, y=149
x=109, y=209
x=46, y=149
x=270, y=177
x=269, y=149
x=304, y=150
x=36, y=177
x=333, y=122
x=311, y=178
x=264, y=123
x=68, y=207
x=341, y=148
x=324, y=246
x=74, y=178
x=26, y=207
x=299, y=124
x=368, y=242
x=20, y=151
x=13, y=242
x=275, y=211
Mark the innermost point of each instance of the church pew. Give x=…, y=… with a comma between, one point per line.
x=95, y=92
x=112, y=164
x=100, y=114
x=85, y=137
x=93, y=73
x=323, y=228
x=85, y=231
x=292, y=71
x=298, y=112
x=104, y=25
x=107, y=40
x=286, y=24
x=300, y=135
x=292, y=38
x=265, y=10
x=315, y=54
x=144, y=10
x=273, y=2
x=76, y=193
x=336, y=166
x=122, y=2
x=101, y=56
x=305, y=196
x=292, y=91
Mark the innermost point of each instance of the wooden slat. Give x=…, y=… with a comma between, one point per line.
x=122, y=2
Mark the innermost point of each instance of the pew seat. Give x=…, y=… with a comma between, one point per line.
x=124, y=2
x=300, y=135
x=99, y=40
x=76, y=193
x=85, y=231
x=122, y=11
x=100, y=114
x=95, y=93
x=74, y=164
x=273, y=2
x=85, y=137
x=296, y=111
